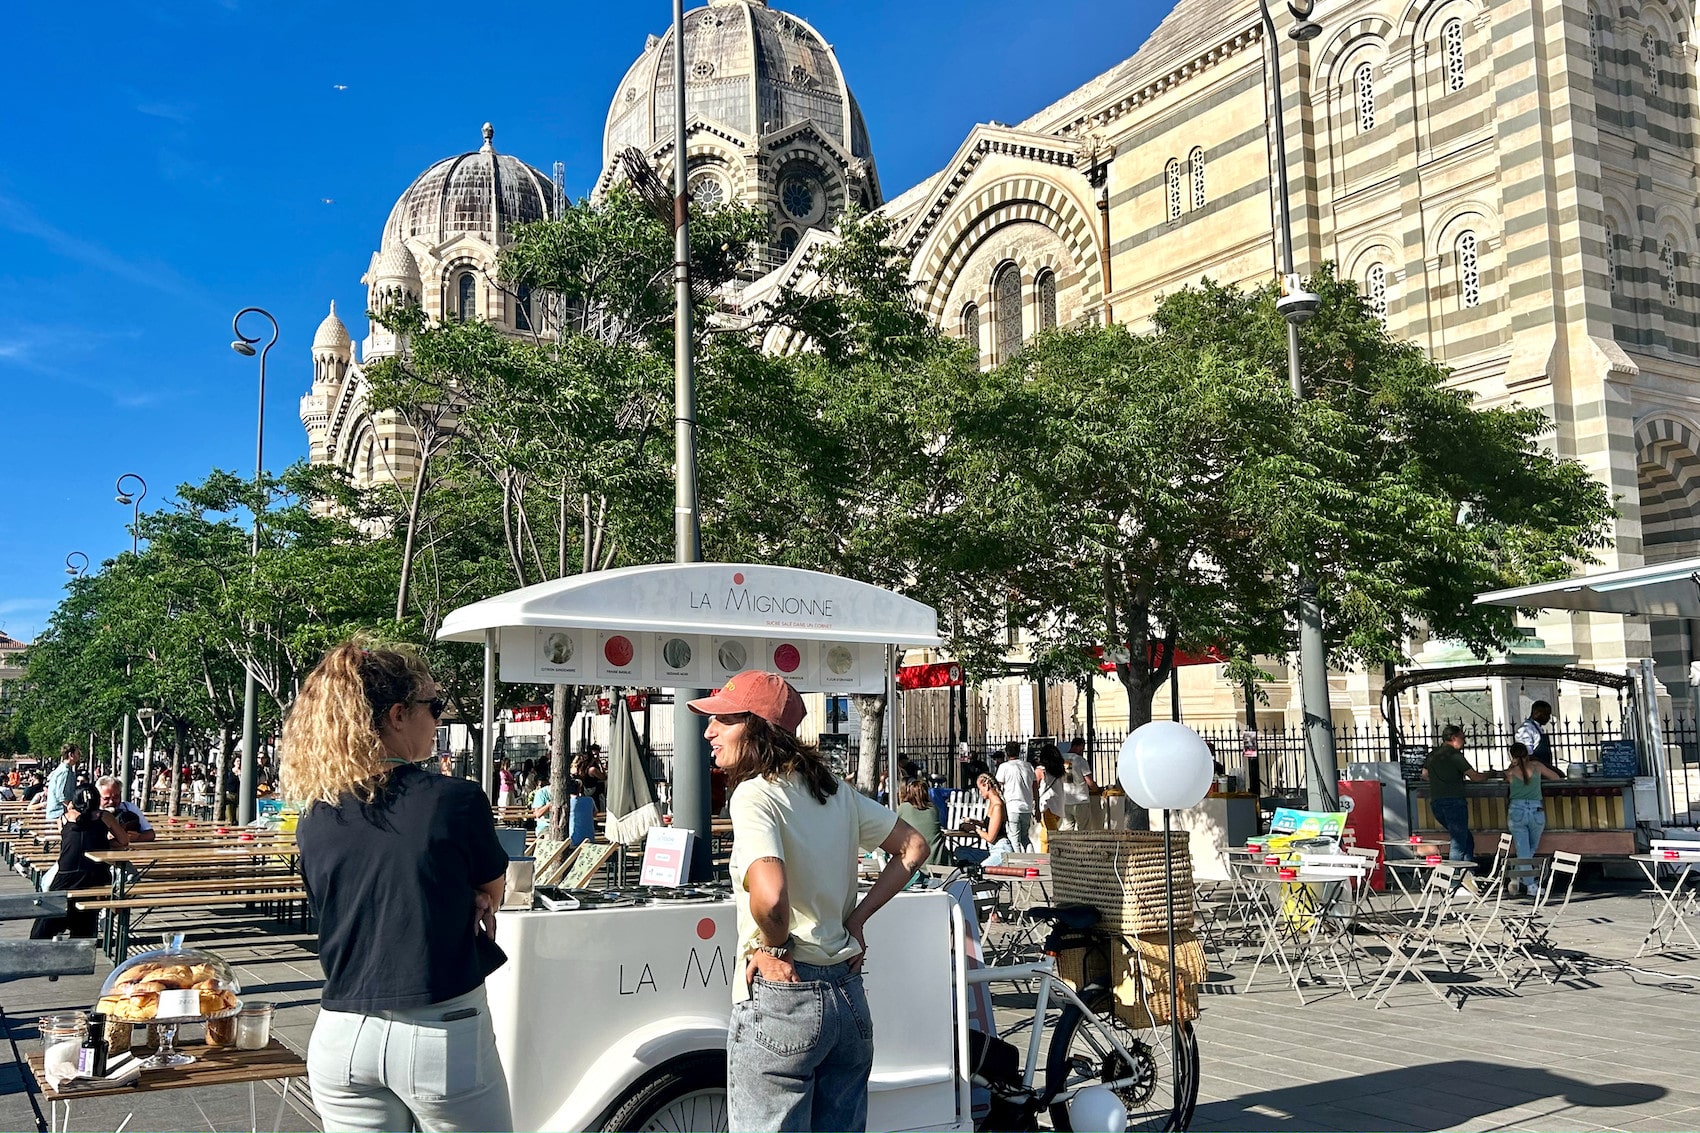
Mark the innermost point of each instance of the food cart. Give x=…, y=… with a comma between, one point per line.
x=614, y=1015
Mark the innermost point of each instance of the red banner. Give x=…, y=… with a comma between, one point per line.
x=1209, y=656
x=635, y=702
x=528, y=713
x=945, y=674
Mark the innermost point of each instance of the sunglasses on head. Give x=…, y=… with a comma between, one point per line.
x=436, y=704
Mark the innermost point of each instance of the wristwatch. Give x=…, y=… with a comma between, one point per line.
x=778, y=951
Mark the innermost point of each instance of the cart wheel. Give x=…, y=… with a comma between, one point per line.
x=689, y=1094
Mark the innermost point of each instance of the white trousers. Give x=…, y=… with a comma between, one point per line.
x=428, y=1068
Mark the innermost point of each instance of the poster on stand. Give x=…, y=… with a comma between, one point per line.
x=619, y=660
x=680, y=660
x=551, y=655
x=666, y=856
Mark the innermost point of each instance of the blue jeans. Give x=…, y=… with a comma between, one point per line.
x=798, y=1055
x=1528, y=820
x=1454, y=814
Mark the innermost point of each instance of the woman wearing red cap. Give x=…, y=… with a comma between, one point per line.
x=801, y=1042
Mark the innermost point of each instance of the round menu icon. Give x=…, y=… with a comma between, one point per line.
x=618, y=651
x=840, y=660
x=677, y=653
x=732, y=656
x=786, y=658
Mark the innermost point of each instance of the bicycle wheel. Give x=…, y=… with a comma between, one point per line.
x=1159, y=1093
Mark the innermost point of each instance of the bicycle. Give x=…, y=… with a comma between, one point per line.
x=1090, y=1042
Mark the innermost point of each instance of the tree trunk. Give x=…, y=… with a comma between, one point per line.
x=221, y=767
x=180, y=750
x=871, y=710
x=563, y=709
x=412, y=526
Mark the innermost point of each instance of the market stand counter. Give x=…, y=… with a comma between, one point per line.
x=1593, y=817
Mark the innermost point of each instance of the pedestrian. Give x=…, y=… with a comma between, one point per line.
x=505, y=785
x=1532, y=733
x=1526, y=814
x=405, y=875
x=581, y=814
x=1446, y=769
x=916, y=808
x=1052, y=802
x=1077, y=786
x=1017, y=786
x=61, y=783
x=800, y=1046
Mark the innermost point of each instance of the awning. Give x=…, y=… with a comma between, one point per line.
x=1670, y=590
x=692, y=625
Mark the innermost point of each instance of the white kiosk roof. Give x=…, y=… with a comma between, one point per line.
x=693, y=625
x=1666, y=590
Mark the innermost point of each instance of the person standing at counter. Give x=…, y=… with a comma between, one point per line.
x=404, y=874
x=1527, y=816
x=1532, y=733
x=1446, y=769
x=1017, y=786
x=801, y=1044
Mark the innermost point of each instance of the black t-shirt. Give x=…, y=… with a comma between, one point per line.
x=76, y=840
x=392, y=883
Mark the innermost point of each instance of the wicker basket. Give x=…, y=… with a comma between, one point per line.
x=1120, y=873
x=1142, y=988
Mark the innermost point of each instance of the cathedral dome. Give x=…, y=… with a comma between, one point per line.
x=395, y=263
x=332, y=335
x=483, y=193
x=749, y=68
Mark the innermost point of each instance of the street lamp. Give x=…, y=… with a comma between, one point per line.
x=134, y=501
x=1296, y=305
x=73, y=570
x=244, y=345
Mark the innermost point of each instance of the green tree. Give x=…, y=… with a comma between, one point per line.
x=1151, y=491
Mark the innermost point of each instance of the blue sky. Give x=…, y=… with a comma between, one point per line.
x=168, y=162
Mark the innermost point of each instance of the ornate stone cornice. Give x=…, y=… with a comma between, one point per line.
x=984, y=142
x=1124, y=104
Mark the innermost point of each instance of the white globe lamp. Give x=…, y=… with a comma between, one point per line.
x=1165, y=765
x=1097, y=1108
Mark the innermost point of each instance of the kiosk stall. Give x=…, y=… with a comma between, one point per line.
x=614, y=1015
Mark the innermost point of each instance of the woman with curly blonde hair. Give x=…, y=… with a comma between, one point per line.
x=405, y=874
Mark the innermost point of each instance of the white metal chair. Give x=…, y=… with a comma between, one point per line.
x=1414, y=934
x=1532, y=932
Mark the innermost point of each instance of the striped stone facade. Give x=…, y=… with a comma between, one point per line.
x=1513, y=184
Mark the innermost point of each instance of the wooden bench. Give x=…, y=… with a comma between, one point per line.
x=119, y=909
x=23, y=959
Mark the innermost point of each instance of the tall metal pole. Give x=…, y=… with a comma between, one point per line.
x=250, y=690
x=124, y=765
x=1322, y=768
x=691, y=783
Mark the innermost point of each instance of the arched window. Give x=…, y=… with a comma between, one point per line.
x=971, y=327
x=1452, y=45
x=1469, y=270
x=522, y=307
x=1365, y=81
x=1667, y=261
x=1650, y=57
x=466, y=301
x=1375, y=291
x=371, y=460
x=787, y=241
x=1006, y=299
x=1611, y=257
x=1593, y=39
x=1195, y=166
x=1172, y=175
x=1047, y=290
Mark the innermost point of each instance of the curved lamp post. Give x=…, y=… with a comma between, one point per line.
x=1296, y=305
x=134, y=500
x=74, y=570
x=244, y=345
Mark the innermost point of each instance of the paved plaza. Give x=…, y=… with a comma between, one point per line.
x=1616, y=1048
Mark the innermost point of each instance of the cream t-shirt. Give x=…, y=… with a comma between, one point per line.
x=820, y=844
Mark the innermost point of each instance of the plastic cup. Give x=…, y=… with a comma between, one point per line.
x=1271, y=860
x=1289, y=874
x=1432, y=859
x=1416, y=839
x=1670, y=855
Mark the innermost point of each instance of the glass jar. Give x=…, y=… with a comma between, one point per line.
x=61, y=1039
x=254, y=1026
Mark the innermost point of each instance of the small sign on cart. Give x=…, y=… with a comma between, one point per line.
x=666, y=856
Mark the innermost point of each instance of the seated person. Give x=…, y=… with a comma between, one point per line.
x=581, y=814
x=993, y=830
x=87, y=829
x=128, y=815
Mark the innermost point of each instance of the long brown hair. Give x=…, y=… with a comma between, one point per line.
x=914, y=792
x=1519, y=753
x=770, y=751
x=333, y=737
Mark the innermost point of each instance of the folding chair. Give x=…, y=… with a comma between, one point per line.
x=1496, y=871
x=1330, y=931
x=1408, y=940
x=1372, y=858
x=1532, y=932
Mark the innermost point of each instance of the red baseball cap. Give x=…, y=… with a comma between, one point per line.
x=767, y=695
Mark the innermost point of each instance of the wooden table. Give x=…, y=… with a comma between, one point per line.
x=213, y=1066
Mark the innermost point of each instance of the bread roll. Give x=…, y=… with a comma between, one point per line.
x=212, y=1003
x=175, y=976
x=149, y=988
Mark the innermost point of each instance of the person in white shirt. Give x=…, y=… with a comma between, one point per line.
x=1051, y=800
x=1015, y=780
x=1077, y=786
x=801, y=1044
x=128, y=815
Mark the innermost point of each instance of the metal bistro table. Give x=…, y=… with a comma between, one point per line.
x=1673, y=905
x=213, y=1066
